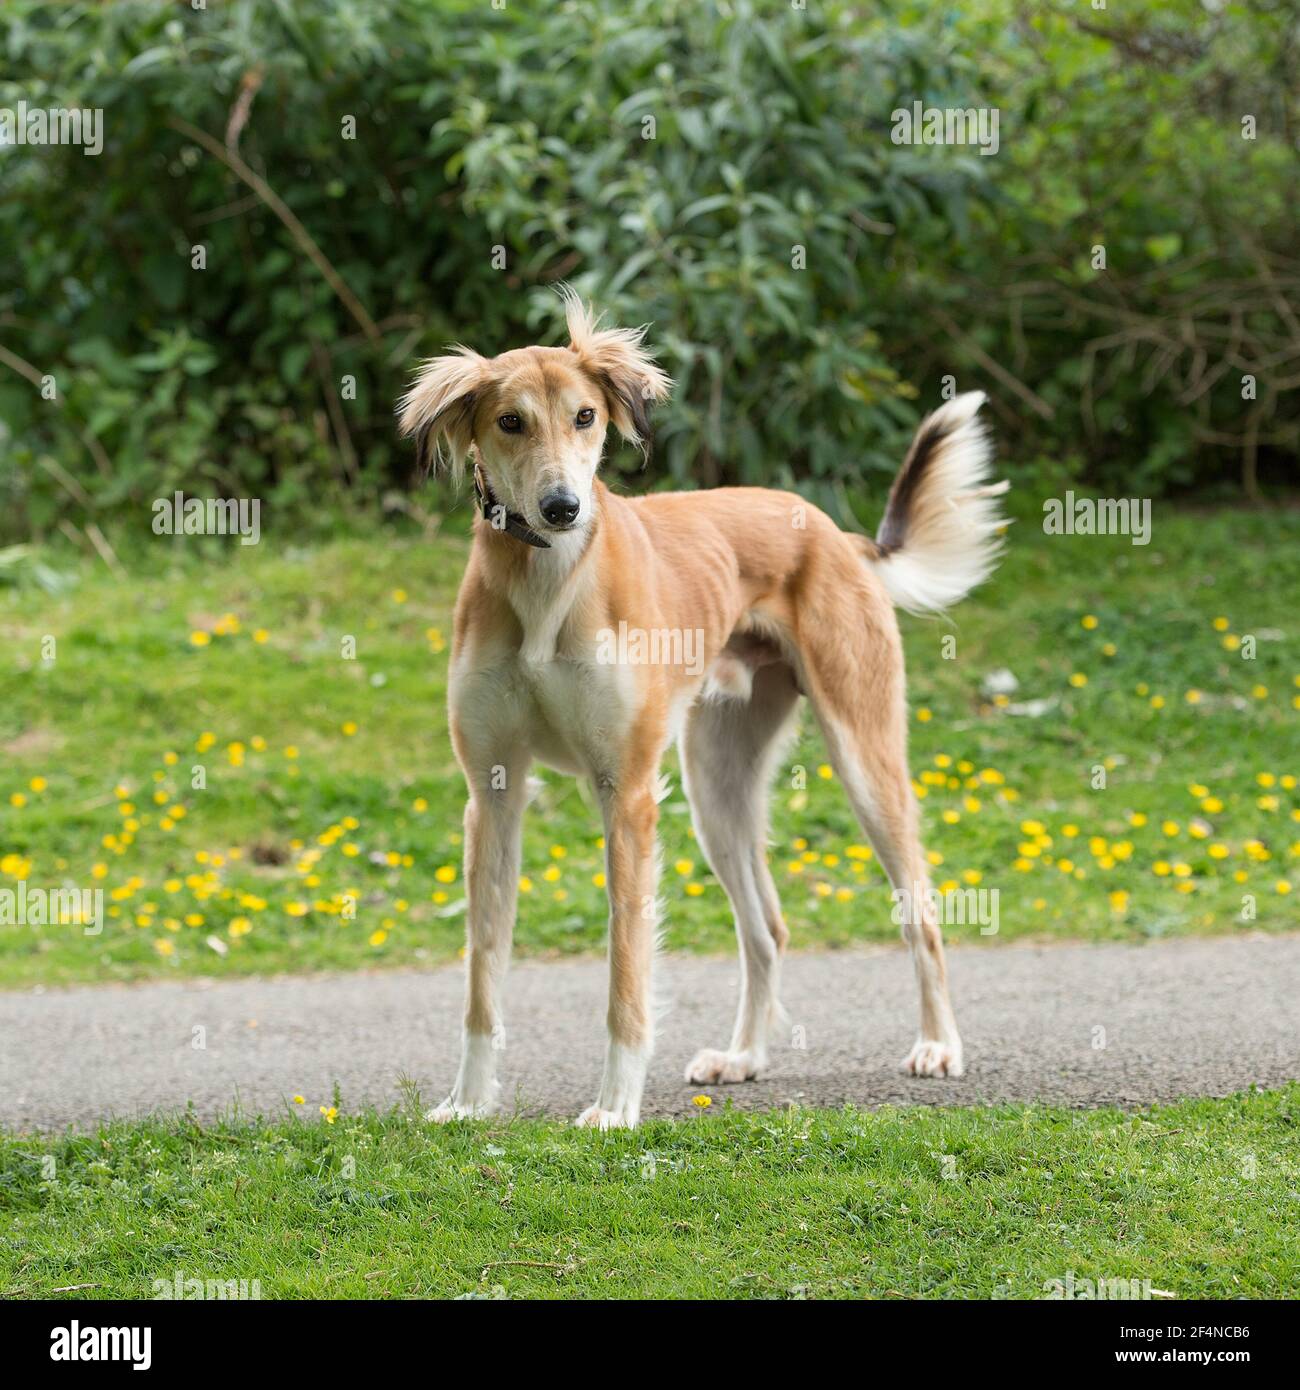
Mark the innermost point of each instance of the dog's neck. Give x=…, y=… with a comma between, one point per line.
x=543, y=586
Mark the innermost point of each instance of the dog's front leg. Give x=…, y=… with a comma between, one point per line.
x=493, y=822
x=631, y=815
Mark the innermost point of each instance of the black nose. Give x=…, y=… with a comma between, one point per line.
x=561, y=507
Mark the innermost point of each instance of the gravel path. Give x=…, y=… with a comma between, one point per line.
x=1076, y=1025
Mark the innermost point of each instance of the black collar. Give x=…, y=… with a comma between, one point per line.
x=515, y=525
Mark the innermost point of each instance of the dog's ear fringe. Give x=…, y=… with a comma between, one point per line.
x=437, y=410
x=618, y=358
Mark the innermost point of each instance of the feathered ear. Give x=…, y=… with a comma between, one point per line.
x=439, y=408
x=615, y=357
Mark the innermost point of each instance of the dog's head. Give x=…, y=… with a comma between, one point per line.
x=536, y=417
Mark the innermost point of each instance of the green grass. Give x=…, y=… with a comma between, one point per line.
x=1198, y=1198
x=127, y=689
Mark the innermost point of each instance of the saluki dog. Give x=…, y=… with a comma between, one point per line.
x=727, y=605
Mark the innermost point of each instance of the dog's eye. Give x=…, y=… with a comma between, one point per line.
x=584, y=417
x=512, y=424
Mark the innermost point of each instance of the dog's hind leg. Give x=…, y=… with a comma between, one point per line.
x=728, y=749
x=854, y=678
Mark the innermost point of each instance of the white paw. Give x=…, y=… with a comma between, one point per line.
x=453, y=1109
x=709, y=1067
x=593, y=1117
x=931, y=1058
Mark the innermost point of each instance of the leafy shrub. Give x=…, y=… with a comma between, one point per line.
x=722, y=168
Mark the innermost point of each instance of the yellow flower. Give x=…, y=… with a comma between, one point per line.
x=1078, y=679
x=17, y=799
x=199, y=639
x=1193, y=697
x=1220, y=624
x=240, y=926
x=1211, y=805
x=559, y=852
x=702, y=1101
x=296, y=909
x=599, y=880
x=419, y=805
x=1108, y=649
x=261, y=635
x=924, y=715
x=1182, y=870
x=551, y=873
x=193, y=919
x=825, y=772
x=349, y=728
x=1157, y=702
x=378, y=937
x=164, y=947
x=685, y=867
x=1119, y=900
x=1069, y=831
x=291, y=751
x=1137, y=819
x=399, y=595
x=951, y=817
x=942, y=760
x=525, y=884
x=300, y=1100
x=1161, y=869
x=445, y=873
x=1218, y=851
x=1282, y=886
x=38, y=784
x=331, y=1113
x=1088, y=621
x=692, y=889
x=1260, y=692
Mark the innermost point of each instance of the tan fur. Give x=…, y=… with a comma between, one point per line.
x=784, y=603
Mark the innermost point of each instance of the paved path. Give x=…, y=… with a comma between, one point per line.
x=1193, y=1017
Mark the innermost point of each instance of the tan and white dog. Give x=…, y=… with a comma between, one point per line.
x=728, y=604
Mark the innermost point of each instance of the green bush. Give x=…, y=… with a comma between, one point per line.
x=678, y=161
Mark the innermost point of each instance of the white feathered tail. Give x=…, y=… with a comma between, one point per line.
x=940, y=535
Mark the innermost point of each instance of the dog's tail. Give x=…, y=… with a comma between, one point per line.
x=941, y=532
